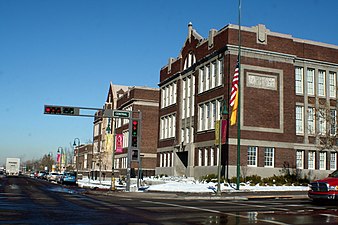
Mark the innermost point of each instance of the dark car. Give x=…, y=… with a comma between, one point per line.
x=67, y=178
x=325, y=189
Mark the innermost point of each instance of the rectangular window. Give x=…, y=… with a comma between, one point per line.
x=299, y=120
x=206, y=160
x=300, y=159
x=207, y=78
x=212, y=157
x=322, y=160
x=200, y=157
x=201, y=80
x=252, y=156
x=299, y=80
x=269, y=157
x=311, y=160
x=311, y=120
x=213, y=74
x=310, y=81
x=333, y=84
x=321, y=83
x=333, y=161
x=322, y=121
x=333, y=122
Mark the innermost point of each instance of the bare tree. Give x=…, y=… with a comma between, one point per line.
x=326, y=134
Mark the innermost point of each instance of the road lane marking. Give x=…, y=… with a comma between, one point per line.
x=213, y=211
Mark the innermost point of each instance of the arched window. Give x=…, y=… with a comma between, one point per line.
x=189, y=60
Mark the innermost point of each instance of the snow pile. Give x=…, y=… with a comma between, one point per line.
x=181, y=184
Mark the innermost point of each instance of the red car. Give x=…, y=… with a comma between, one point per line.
x=325, y=189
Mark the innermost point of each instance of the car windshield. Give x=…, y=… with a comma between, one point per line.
x=334, y=174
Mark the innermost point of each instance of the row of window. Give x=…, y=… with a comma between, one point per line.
x=168, y=126
x=188, y=97
x=312, y=160
x=316, y=82
x=210, y=75
x=166, y=159
x=168, y=94
x=323, y=117
x=208, y=114
x=208, y=157
x=269, y=160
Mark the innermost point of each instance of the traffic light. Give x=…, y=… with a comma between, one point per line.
x=135, y=154
x=134, y=133
x=62, y=110
x=52, y=109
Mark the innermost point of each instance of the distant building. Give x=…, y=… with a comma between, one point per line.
x=102, y=150
x=285, y=82
x=83, y=159
x=138, y=99
x=146, y=101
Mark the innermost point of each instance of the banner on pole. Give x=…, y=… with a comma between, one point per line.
x=220, y=131
x=119, y=143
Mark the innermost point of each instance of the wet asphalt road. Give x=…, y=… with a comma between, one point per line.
x=29, y=201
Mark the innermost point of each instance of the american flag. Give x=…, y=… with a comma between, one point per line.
x=234, y=87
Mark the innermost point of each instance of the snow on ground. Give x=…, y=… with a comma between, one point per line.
x=179, y=184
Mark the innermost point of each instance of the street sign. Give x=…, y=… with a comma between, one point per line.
x=121, y=114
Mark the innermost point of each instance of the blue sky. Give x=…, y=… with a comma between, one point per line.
x=66, y=52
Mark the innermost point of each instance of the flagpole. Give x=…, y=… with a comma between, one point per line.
x=239, y=98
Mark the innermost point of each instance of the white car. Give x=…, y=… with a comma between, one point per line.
x=52, y=176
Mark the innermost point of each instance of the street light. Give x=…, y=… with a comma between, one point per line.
x=60, y=162
x=77, y=144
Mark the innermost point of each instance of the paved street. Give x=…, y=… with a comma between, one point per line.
x=30, y=201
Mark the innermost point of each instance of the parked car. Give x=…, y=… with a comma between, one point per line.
x=67, y=178
x=52, y=176
x=325, y=189
x=42, y=175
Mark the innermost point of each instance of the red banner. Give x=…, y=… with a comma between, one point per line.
x=119, y=143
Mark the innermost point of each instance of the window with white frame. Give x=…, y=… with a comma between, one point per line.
x=269, y=157
x=200, y=155
x=310, y=76
x=208, y=114
x=125, y=138
x=321, y=83
x=299, y=80
x=311, y=120
x=299, y=120
x=333, y=161
x=333, y=122
x=168, y=94
x=217, y=156
x=213, y=74
x=167, y=126
x=169, y=159
x=300, y=159
x=311, y=160
x=252, y=156
x=206, y=155
x=333, y=84
x=219, y=72
x=322, y=160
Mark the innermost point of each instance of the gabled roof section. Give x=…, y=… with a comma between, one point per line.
x=114, y=92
